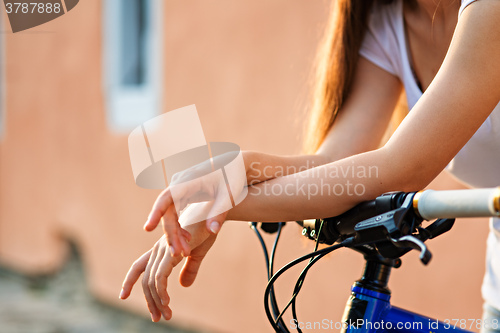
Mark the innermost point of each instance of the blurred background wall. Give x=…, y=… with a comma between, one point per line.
x=73, y=89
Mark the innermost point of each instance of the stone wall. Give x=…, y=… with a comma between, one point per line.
x=61, y=303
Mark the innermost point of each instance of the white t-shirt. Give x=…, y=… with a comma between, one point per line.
x=478, y=163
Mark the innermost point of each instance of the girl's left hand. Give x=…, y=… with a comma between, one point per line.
x=157, y=265
x=203, y=185
x=165, y=210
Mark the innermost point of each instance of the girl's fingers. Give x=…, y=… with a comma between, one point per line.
x=192, y=265
x=162, y=274
x=133, y=274
x=171, y=228
x=155, y=312
x=190, y=271
x=215, y=223
x=164, y=210
x=185, y=234
x=162, y=203
x=186, y=249
x=152, y=281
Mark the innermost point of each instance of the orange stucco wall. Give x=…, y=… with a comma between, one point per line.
x=245, y=64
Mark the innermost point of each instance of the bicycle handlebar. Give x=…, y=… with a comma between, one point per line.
x=431, y=204
x=383, y=230
x=424, y=205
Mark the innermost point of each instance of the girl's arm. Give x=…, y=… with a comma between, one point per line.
x=460, y=98
x=359, y=127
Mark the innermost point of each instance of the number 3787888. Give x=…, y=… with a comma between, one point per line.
x=33, y=7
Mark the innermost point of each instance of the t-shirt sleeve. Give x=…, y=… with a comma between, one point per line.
x=464, y=4
x=376, y=46
x=372, y=51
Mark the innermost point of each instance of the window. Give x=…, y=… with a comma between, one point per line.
x=2, y=78
x=132, y=61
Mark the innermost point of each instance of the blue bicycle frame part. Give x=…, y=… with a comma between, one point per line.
x=380, y=316
x=369, y=310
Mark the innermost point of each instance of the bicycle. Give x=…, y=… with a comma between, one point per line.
x=382, y=230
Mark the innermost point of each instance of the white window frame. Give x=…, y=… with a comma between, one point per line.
x=129, y=106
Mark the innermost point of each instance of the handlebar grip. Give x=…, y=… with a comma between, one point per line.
x=431, y=204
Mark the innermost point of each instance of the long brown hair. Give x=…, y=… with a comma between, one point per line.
x=335, y=66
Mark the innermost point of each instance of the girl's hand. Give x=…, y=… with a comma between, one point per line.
x=209, y=191
x=166, y=209
x=157, y=265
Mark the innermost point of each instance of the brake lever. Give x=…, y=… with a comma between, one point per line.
x=414, y=243
x=439, y=227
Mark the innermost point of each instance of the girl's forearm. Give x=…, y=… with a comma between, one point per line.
x=324, y=191
x=261, y=167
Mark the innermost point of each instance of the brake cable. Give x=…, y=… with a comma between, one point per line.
x=316, y=255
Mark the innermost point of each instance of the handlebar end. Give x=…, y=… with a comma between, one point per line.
x=496, y=201
x=416, y=197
